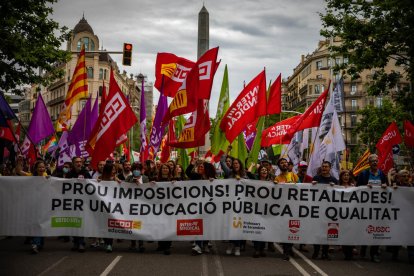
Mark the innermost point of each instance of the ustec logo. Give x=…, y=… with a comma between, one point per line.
x=294, y=226
x=378, y=229
x=124, y=224
x=333, y=231
x=189, y=227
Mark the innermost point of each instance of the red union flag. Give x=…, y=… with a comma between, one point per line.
x=170, y=72
x=389, y=138
x=408, y=134
x=277, y=134
x=250, y=104
x=196, y=86
x=112, y=125
x=274, y=105
x=195, y=129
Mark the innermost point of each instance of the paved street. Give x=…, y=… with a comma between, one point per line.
x=57, y=259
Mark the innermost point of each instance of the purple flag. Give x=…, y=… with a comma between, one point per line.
x=41, y=125
x=80, y=132
x=249, y=138
x=143, y=125
x=157, y=130
x=95, y=112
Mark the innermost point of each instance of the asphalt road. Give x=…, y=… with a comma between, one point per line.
x=57, y=259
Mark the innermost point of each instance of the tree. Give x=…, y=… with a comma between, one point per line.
x=375, y=121
x=373, y=33
x=28, y=43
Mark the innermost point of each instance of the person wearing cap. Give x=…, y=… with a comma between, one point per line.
x=303, y=177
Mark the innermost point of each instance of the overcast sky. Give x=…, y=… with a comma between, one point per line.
x=251, y=34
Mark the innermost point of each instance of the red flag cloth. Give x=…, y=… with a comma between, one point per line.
x=171, y=70
x=386, y=162
x=274, y=103
x=196, y=86
x=5, y=129
x=277, y=134
x=112, y=125
x=389, y=138
x=165, y=150
x=249, y=105
x=311, y=117
x=190, y=137
x=408, y=134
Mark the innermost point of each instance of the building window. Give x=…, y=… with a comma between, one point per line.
x=353, y=120
x=353, y=88
x=89, y=44
x=379, y=101
x=319, y=65
x=90, y=72
x=346, y=60
x=101, y=72
x=337, y=61
x=329, y=62
x=317, y=89
x=354, y=105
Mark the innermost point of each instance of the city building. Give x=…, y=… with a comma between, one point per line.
x=311, y=77
x=98, y=66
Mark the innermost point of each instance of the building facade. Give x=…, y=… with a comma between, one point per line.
x=98, y=66
x=311, y=77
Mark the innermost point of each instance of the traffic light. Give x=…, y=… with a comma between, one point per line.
x=127, y=55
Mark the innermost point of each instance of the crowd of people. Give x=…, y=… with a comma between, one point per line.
x=229, y=167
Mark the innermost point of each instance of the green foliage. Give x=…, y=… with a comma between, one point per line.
x=29, y=42
x=373, y=33
x=375, y=121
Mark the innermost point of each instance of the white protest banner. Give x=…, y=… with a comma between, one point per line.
x=204, y=210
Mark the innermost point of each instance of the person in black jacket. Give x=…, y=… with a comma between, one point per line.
x=78, y=172
x=372, y=177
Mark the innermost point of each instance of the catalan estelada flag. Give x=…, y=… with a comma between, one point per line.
x=78, y=89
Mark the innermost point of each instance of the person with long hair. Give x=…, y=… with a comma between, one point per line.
x=108, y=174
x=165, y=175
x=346, y=181
x=179, y=173
x=203, y=171
x=235, y=171
x=262, y=174
x=39, y=169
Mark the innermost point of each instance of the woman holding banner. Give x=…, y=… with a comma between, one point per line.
x=264, y=175
x=108, y=174
x=346, y=181
x=235, y=171
x=165, y=175
x=204, y=171
x=39, y=169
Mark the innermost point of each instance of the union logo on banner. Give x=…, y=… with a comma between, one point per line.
x=189, y=227
x=333, y=231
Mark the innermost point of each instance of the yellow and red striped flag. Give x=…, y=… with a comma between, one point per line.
x=78, y=89
x=362, y=163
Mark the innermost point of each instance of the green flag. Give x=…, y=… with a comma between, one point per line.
x=254, y=153
x=182, y=153
x=277, y=149
x=218, y=139
x=239, y=148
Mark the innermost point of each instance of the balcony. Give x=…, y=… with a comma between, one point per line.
x=350, y=108
x=56, y=101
